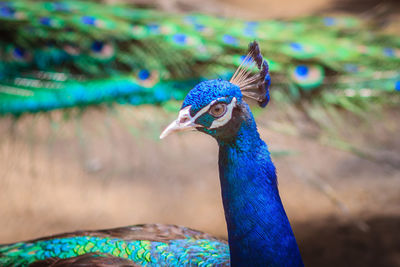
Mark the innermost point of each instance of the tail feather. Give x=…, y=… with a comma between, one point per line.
x=86, y=46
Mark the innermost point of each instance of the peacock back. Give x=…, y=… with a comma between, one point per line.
x=139, y=245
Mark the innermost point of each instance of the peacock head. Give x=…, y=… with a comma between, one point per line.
x=217, y=107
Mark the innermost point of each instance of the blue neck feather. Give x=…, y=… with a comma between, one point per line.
x=258, y=228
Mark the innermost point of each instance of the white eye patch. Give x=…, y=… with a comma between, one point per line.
x=227, y=116
x=220, y=121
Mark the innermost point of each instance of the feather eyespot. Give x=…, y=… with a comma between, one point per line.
x=19, y=55
x=217, y=110
x=307, y=76
x=102, y=51
x=147, y=78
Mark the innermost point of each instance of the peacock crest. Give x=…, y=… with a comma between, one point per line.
x=253, y=85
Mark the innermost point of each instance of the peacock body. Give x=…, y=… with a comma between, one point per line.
x=74, y=54
x=259, y=232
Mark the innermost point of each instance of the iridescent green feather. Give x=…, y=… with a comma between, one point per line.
x=179, y=252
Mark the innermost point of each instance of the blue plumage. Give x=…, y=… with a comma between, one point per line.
x=258, y=229
x=203, y=93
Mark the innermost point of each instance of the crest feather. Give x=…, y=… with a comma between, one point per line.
x=254, y=85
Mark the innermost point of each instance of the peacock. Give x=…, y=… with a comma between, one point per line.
x=259, y=232
x=74, y=54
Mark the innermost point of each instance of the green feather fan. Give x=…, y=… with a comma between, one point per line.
x=74, y=54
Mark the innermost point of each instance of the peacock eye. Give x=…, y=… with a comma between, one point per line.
x=218, y=109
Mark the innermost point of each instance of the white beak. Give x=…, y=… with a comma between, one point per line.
x=182, y=123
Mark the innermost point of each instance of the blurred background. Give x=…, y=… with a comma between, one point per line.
x=87, y=87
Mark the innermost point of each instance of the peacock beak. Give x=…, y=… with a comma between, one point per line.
x=182, y=123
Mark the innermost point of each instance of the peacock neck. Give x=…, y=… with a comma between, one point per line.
x=258, y=229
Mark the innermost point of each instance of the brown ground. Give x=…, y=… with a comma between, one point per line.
x=344, y=208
